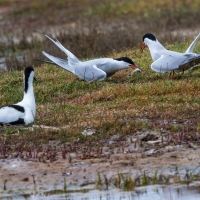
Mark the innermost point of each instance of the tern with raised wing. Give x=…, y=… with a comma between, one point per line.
x=24, y=111
x=170, y=61
x=96, y=69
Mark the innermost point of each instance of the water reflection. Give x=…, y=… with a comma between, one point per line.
x=172, y=192
x=3, y=63
x=155, y=192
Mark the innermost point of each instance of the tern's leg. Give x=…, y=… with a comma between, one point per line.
x=171, y=75
x=182, y=72
x=173, y=72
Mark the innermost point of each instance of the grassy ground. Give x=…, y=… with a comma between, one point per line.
x=122, y=105
x=68, y=11
x=89, y=28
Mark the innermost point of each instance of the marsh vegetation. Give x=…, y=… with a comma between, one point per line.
x=118, y=110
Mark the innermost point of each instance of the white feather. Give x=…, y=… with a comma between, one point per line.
x=96, y=69
x=11, y=114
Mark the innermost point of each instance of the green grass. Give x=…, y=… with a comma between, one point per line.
x=104, y=8
x=90, y=28
x=113, y=106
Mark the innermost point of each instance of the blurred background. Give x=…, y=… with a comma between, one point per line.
x=89, y=28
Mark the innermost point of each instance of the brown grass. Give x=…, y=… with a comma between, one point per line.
x=121, y=105
x=90, y=29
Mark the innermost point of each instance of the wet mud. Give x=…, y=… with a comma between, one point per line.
x=17, y=174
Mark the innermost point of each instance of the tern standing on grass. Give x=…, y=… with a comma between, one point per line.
x=170, y=61
x=96, y=69
x=24, y=111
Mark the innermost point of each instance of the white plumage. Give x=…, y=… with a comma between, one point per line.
x=166, y=60
x=96, y=69
x=24, y=111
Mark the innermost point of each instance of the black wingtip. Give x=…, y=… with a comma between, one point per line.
x=44, y=61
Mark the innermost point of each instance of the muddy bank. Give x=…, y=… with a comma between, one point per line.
x=18, y=174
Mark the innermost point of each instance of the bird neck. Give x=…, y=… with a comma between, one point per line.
x=29, y=98
x=156, y=45
x=120, y=65
x=155, y=49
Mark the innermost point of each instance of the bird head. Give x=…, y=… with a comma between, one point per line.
x=28, y=77
x=129, y=63
x=147, y=38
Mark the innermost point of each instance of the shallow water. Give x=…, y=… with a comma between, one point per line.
x=3, y=66
x=155, y=192
x=2, y=63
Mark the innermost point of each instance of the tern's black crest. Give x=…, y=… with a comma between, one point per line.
x=126, y=59
x=27, y=73
x=149, y=36
x=18, y=108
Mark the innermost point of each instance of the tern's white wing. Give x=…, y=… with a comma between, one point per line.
x=86, y=72
x=90, y=73
x=175, y=62
x=192, y=45
x=193, y=60
x=72, y=59
x=9, y=114
x=60, y=62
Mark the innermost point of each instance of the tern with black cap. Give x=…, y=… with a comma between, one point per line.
x=170, y=61
x=96, y=69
